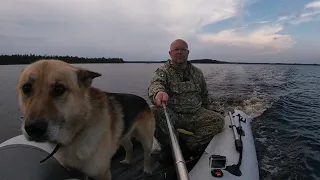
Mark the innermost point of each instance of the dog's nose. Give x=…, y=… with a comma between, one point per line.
x=36, y=129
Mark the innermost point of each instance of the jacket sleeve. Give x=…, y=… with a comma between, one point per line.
x=158, y=83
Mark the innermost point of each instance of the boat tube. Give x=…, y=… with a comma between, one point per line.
x=232, y=152
x=20, y=159
x=230, y=155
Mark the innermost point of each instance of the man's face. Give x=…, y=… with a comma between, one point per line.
x=179, y=52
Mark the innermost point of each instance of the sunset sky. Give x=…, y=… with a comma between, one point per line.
x=283, y=31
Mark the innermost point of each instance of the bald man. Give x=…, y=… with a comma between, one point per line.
x=182, y=87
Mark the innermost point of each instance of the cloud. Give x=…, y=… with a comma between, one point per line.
x=140, y=29
x=283, y=18
x=315, y=4
x=263, y=38
x=134, y=29
x=309, y=13
x=263, y=22
x=183, y=17
x=305, y=17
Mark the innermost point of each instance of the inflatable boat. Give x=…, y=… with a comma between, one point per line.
x=230, y=155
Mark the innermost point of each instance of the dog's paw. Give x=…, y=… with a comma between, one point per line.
x=156, y=146
x=125, y=161
x=143, y=175
x=147, y=171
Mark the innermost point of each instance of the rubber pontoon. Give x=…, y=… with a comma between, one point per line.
x=20, y=159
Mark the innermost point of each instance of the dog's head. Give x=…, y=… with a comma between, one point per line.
x=53, y=96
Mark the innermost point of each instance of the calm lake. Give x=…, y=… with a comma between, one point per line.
x=283, y=99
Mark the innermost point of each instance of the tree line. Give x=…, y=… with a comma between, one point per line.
x=30, y=58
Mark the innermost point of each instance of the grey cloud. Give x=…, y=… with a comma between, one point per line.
x=136, y=30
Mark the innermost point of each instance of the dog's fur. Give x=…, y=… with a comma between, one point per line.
x=61, y=107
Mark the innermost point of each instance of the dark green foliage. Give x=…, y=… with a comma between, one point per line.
x=27, y=59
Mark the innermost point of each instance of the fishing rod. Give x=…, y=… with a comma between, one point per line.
x=238, y=132
x=179, y=160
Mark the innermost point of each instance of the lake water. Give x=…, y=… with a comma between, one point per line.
x=283, y=100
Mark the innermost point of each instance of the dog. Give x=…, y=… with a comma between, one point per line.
x=61, y=107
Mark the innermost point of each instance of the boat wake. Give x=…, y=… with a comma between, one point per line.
x=253, y=104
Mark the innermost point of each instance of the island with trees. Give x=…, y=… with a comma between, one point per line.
x=30, y=58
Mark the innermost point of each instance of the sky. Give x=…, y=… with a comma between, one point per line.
x=285, y=31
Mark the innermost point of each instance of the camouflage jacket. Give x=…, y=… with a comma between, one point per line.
x=186, y=88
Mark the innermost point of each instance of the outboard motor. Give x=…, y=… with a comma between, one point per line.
x=20, y=159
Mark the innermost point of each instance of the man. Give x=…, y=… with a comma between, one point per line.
x=182, y=87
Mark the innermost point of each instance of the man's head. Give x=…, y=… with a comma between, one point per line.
x=179, y=52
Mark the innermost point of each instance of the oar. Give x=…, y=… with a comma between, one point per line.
x=180, y=163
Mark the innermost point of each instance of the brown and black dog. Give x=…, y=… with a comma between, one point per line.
x=61, y=107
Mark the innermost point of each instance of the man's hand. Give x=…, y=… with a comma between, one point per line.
x=160, y=98
x=215, y=109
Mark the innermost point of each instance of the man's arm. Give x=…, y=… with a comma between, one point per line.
x=158, y=83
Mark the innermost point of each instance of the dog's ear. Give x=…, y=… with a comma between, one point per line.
x=85, y=77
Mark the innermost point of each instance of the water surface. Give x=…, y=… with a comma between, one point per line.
x=282, y=99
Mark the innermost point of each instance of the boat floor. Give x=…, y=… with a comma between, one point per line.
x=134, y=170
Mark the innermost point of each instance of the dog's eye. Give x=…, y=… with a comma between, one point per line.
x=58, y=90
x=26, y=89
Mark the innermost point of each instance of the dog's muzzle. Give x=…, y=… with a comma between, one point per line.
x=36, y=129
